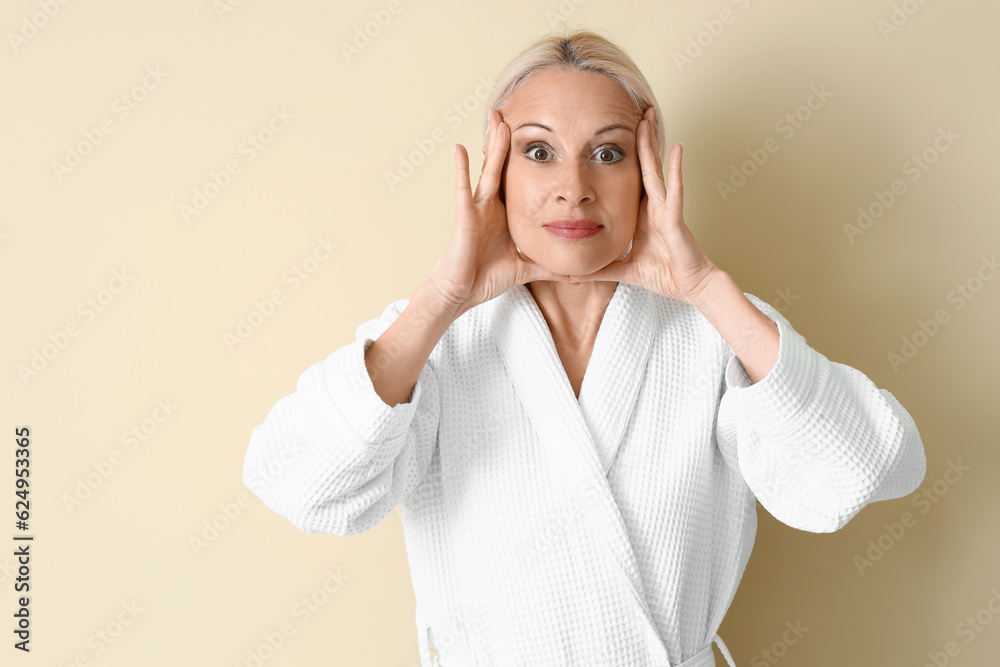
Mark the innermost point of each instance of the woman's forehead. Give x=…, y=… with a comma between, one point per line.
x=557, y=99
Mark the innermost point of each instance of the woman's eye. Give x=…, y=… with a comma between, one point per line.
x=609, y=154
x=536, y=152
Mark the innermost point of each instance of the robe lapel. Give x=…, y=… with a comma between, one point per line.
x=581, y=438
x=616, y=368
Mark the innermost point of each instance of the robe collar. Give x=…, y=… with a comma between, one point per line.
x=613, y=376
x=581, y=437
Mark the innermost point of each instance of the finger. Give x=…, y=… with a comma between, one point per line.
x=490, y=135
x=494, y=119
x=496, y=154
x=463, y=189
x=532, y=272
x=528, y=271
x=655, y=137
x=675, y=184
x=652, y=177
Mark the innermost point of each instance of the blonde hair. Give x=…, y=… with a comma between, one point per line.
x=583, y=50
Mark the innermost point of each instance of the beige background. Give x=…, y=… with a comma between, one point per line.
x=161, y=335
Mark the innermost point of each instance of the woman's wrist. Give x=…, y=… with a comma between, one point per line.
x=435, y=305
x=717, y=287
x=751, y=334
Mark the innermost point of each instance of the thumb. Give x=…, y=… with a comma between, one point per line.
x=613, y=271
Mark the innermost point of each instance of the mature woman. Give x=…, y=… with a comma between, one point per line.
x=578, y=408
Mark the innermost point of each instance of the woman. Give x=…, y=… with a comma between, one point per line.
x=578, y=409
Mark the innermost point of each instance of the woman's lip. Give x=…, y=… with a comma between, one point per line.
x=581, y=223
x=573, y=233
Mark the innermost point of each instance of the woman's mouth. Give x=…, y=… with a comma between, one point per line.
x=574, y=229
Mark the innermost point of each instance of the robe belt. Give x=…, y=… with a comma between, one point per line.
x=705, y=657
x=423, y=644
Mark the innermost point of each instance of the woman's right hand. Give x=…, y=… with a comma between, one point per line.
x=481, y=261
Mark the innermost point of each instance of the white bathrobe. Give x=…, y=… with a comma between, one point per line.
x=613, y=529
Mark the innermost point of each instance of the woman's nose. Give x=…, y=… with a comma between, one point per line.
x=573, y=183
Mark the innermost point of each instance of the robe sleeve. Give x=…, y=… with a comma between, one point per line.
x=332, y=457
x=815, y=440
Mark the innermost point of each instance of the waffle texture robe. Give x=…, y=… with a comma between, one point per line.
x=613, y=529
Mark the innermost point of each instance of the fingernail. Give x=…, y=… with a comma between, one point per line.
x=454, y=148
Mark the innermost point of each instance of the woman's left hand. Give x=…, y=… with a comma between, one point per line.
x=665, y=258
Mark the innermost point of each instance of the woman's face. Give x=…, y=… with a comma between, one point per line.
x=582, y=165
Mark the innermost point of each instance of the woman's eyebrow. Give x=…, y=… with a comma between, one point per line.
x=607, y=128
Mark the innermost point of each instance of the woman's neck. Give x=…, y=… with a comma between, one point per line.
x=573, y=311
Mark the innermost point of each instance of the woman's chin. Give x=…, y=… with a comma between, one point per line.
x=573, y=266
